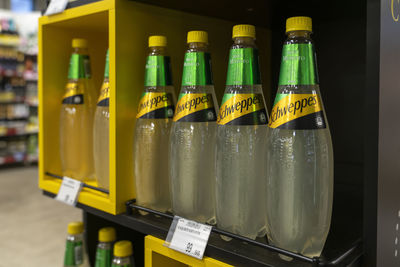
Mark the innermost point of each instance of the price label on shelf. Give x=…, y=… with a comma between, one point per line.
x=188, y=237
x=56, y=6
x=69, y=191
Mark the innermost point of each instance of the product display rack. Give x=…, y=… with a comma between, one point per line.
x=356, y=50
x=18, y=115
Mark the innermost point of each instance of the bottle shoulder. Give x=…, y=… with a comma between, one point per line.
x=299, y=40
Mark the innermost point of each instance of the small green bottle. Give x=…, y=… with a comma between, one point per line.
x=104, y=253
x=74, y=249
x=123, y=254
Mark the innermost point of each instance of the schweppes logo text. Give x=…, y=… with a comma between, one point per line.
x=195, y=108
x=297, y=111
x=73, y=94
x=242, y=109
x=104, y=98
x=155, y=105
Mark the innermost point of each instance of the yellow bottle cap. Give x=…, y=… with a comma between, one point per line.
x=299, y=24
x=197, y=37
x=157, y=40
x=75, y=228
x=244, y=30
x=79, y=43
x=107, y=234
x=123, y=249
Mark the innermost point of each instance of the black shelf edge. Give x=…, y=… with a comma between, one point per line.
x=234, y=252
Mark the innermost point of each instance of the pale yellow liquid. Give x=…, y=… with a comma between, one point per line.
x=299, y=185
x=192, y=166
x=240, y=180
x=151, y=159
x=101, y=146
x=151, y=163
x=76, y=136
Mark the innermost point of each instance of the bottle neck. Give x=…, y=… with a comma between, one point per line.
x=299, y=34
x=80, y=51
x=157, y=51
x=197, y=66
x=122, y=261
x=79, y=65
x=243, y=68
x=244, y=42
x=157, y=72
x=197, y=47
x=298, y=64
x=75, y=238
x=105, y=245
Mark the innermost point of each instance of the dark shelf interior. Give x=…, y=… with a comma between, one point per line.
x=343, y=247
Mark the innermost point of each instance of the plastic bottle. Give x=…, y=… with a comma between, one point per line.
x=300, y=154
x=75, y=254
x=241, y=131
x=76, y=118
x=123, y=254
x=193, y=136
x=101, y=132
x=104, y=251
x=153, y=123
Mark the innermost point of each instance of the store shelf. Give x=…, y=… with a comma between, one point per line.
x=343, y=246
x=13, y=132
x=11, y=159
x=98, y=22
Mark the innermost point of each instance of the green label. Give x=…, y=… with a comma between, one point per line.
x=157, y=71
x=196, y=69
x=103, y=257
x=79, y=67
x=298, y=65
x=106, y=69
x=73, y=253
x=243, y=67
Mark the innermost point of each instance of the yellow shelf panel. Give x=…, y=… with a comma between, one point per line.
x=78, y=12
x=123, y=26
x=157, y=255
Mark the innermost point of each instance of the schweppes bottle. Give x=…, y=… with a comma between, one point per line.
x=75, y=254
x=101, y=132
x=242, y=127
x=76, y=119
x=193, y=136
x=104, y=251
x=300, y=155
x=123, y=254
x=153, y=123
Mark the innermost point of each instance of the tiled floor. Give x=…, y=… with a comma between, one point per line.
x=32, y=227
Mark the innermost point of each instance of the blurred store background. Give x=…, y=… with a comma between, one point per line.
x=22, y=206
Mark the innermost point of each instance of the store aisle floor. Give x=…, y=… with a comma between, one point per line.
x=32, y=227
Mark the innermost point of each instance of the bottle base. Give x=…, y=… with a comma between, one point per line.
x=225, y=238
x=285, y=258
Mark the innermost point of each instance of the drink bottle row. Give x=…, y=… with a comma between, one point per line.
x=109, y=253
x=231, y=165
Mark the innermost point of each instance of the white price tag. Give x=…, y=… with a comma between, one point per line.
x=69, y=191
x=188, y=237
x=56, y=6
